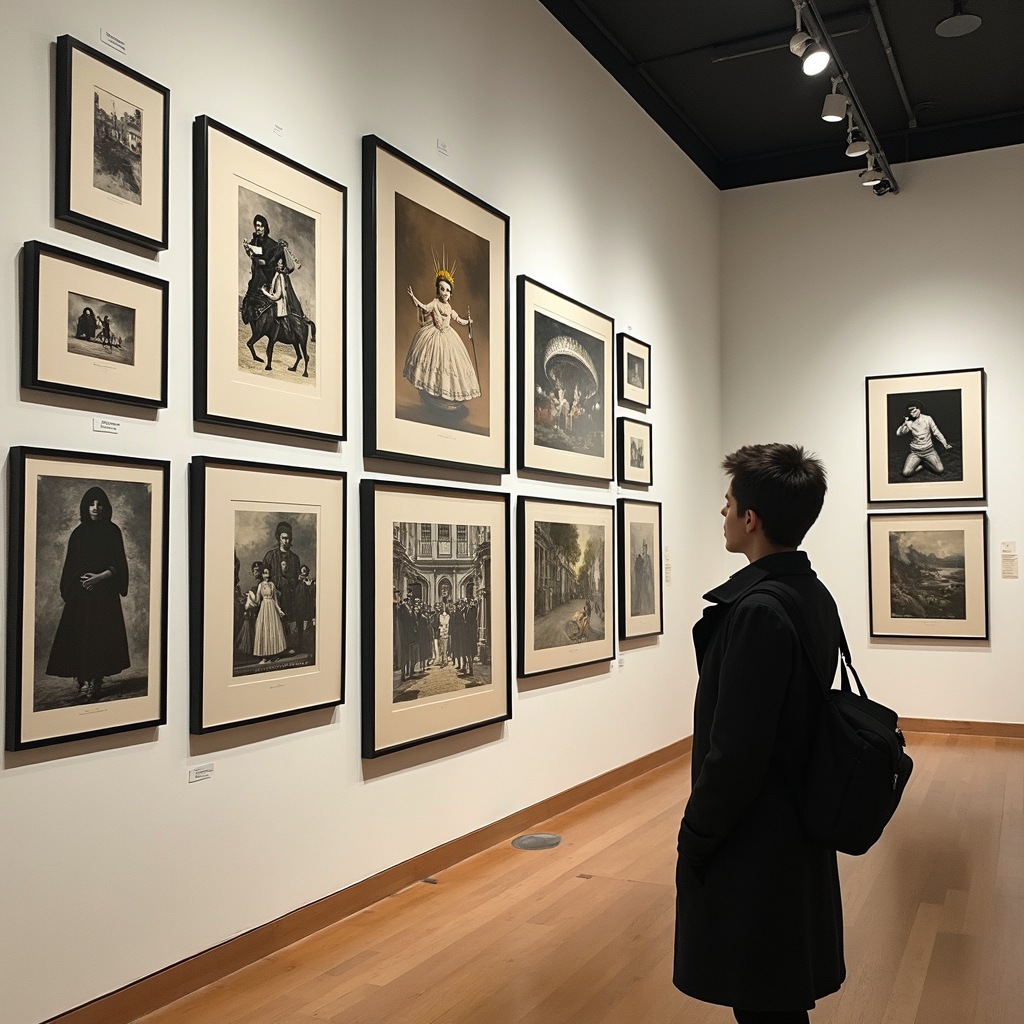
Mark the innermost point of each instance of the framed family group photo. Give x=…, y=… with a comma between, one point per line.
x=435, y=317
x=267, y=591
x=640, y=569
x=86, y=597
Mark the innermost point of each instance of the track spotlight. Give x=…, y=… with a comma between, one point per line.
x=871, y=176
x=882, y=187
x=857, y=145
x=835, y=105
x=814, y=56
x=959, y=23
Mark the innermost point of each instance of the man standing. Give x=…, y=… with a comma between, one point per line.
x=758, y=909
x=285, y=565
x=921, y=429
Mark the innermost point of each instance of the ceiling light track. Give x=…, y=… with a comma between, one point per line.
x=893, y=66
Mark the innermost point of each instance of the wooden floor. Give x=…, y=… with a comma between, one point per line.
x=583, y=934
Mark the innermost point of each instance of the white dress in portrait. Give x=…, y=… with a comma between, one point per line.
x=438, y=362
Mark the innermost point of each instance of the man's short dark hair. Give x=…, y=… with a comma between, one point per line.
x=915, y=405
x=783, y=484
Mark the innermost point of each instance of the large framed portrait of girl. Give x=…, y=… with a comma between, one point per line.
x=267, y=591
x=86, y=595
x=435, y=317
x=269, y=279
x=640, y=569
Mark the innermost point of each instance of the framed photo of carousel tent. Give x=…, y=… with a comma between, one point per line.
x=634, y=371
x=86, y=595
x=92, y=329
x=565, y=381
x=269, y=279
x=640, y=572
x=435, y=317
x=112, y=147
x=926, y=436
x=435, y=615
x=267, y=591
x=565, y=584
x=636, y=464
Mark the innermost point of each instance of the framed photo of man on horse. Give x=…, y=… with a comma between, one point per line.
x=270, y=289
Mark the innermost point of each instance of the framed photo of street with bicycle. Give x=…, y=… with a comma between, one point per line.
x=640, y=569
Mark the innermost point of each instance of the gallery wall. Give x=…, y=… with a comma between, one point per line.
x=113, y=865
x=823, y=284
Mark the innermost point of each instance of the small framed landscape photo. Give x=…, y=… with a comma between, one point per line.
x=92, y=329
x=267, y=591
x=926, y=436
x=565, y=584
x=928, y=574
x=113, y=133
x=634, y=371
x=436, y=613
x=635, y=458
x=86, y=596
x=640, y=569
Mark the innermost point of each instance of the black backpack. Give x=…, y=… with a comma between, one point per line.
x=857, y=769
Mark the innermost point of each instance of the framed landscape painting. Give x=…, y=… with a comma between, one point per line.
x=92, y=329
x=640, y=569
x=565, y=384
x=926, y=436
x=565, y=584
x=928, y=574
x=269, y=279
x=112, y=147
x=435, y=616
x=267, y=591
x=435, y=317
x=634, y=371
x=86, y=595
x=636, y=464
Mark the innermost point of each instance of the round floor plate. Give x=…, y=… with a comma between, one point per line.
x=537, y=841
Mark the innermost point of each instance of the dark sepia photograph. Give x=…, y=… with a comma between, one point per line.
x=925, y=435
x=634, y=362
x=117, y=146
x=640, y=568
x=634, y=452
x=926, y=574
x=635, y=375
x=103, y=330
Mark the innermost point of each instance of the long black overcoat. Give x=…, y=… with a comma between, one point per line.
x=758, y=910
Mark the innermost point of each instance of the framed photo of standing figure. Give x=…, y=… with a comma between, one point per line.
x=635, y=457
x=86, y=595
x=92, y=329
x=634, y=371
x=640, y=573
x=269, y=278
x=267, y=591
x=435, y=317
x=565, y=384
x=435, y=616
x=112, y=147
x=565, y=584
x=926, y=436
x=928, y=574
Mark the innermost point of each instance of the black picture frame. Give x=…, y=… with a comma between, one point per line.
x=632, y=627
x=630, y=393
x=626, y=429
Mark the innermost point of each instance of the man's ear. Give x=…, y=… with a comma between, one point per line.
x=751, y=520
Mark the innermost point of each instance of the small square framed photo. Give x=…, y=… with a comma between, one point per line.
x=112, y=143
x=436, y=613
x=634, y=358
x=566, y=598
x=267, y=591
x=640, y=572
x=635, y=457
x=86, y=596
x=926, y=436
x=928, y=574
x=92, y=329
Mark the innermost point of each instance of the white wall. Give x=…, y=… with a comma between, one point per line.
x=824, y=283
x=111, y=865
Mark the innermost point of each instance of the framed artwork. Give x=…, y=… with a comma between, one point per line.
x=267, y=591
x=86, y=595
x=269, y=278
x=112, y=147
x=565, y=380
x=565, y=584
x=926, y=436
x=634, y=371
x=928, y=574
x=640, y=573
x=435, y=317
x=435, y=615
x=92, y=329
x=635, y=457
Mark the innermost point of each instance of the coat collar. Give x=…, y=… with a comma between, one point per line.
x=782, y=563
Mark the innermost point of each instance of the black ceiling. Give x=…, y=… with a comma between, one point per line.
x=756, y=117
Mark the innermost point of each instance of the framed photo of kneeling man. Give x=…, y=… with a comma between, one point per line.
x=86, y=597
x=640, y=572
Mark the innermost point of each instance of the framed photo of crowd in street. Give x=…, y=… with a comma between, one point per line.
x=435, y=615
x=636, y=464
x=269, y=279
x=640, y=572
x=92, y=329
x=112, y=147
x=565, y=584
x=634, y=371
x=565, y=381
x=267, y=591
x=86, y=595
x=926, y=436
x=435, y=317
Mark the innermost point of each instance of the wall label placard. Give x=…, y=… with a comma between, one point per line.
x=1009, y=563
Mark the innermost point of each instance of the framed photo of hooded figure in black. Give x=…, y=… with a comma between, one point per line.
x=87, y=595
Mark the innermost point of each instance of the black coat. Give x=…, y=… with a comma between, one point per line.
x=759, y=920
